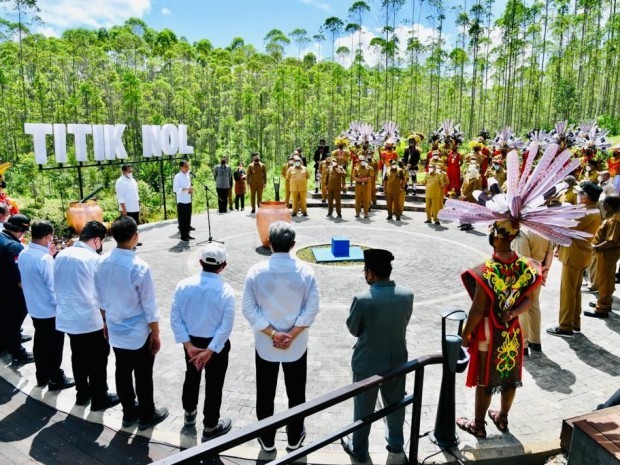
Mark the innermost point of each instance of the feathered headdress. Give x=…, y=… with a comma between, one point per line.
x=473, y=144
x=389, y=133
x=341, y=140
x=360, y=133
x=4, y=167
x=416, y=136
x=484, y=134
x=594, y=139
x=450, y=131
x=506, y=139
x=524, y=202
x=562, y=135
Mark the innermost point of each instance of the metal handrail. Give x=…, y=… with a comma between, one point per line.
x=215, y=446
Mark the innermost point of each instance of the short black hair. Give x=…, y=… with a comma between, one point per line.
x=612, y=201
x=210, y=268
x=123, y=229
x=41, y=228
x=125, y=167
x=281, y=236
x=182, y=163
x=3, y=209
x=91, y=230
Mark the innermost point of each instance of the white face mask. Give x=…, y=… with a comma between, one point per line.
x=334, y=164
x=297, y=163
x=588, y=168
x=364, y=163
x=431, y=170
x=495, y=167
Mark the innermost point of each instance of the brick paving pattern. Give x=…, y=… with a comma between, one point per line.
x=569, y=377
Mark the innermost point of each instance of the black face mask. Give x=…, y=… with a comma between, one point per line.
x=492, y=240
x=2, y=184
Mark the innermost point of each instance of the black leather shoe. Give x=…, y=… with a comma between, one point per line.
x=191, y=238
x=347, y=445
x=223, y=427
x=159, y=415
x=23, y=358
x=592, y=304
x=191, y=228
x=534, y=347
x=110, y=400
x=596, y=314
x=26, y=338
x=64, y=383
x=82, y=401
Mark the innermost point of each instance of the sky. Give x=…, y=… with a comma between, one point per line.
x=220, y=21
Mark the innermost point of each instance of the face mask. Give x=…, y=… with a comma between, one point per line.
x=297, y=163
x=588, y=168
x=600, y=179
x=2, y=184
x=100, y=249
x=393, y=167
x=334, y=164
x=495, y=167
x=364, y=163
x=431, y=170
x=129, y=175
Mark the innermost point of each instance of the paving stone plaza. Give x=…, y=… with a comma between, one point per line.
x=568, y=378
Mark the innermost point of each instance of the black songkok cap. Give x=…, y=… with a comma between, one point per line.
x=18, y=223
x=378, y=261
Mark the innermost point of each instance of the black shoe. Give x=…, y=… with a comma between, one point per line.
x=191, y=238
x=596, y=314
x=589, y=290
x=63, y=383
x=339, y=215
x=557, y=331
x=110, y=400
x=185, y=239
x=389, y=217
x=223, y=427
x=304, y=214
x=23, y=358
x=82, y=400
x=428, y=222
x=191, y=228
x=26, y=338
x=253, y=210
x=347, y=445
x=291, y=447
x=316, y=190
x=535, y=347
x=398, y=218
x=139, y=244
x=526, y=352
x=159, y=415
x=42, y=382
x=130, y=418
x=592, y=304
x=357, y=216
x=437, y=223
x=266, y=447
x=329, y=215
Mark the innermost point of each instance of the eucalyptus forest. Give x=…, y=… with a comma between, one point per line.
x=535, y=63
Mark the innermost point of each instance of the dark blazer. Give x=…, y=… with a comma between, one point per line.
x=379, y=319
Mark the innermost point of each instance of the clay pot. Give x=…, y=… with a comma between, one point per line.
x=78, y=214
x=268, y=213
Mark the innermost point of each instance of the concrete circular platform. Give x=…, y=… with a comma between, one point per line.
x=570, y=377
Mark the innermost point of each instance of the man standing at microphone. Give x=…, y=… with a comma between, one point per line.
x=183, y=189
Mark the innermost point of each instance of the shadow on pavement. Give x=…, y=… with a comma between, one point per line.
x=594, y=355
x=549, y=375
x=24, y=422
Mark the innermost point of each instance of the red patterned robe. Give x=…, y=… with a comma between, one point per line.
x=506, y=283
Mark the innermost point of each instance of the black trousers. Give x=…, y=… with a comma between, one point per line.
x=12, y=315
x=184, y=215
x=89, y=360
x=240, y=200
x=215, y=372
x=47, y=350
x=139, y=364
x=222, y=199
x=135, y=216
x=295, y=374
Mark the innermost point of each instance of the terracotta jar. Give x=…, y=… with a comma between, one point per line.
x=78, y=214
x=270, y=212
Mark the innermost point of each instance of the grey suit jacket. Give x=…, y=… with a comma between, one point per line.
x=379, y=319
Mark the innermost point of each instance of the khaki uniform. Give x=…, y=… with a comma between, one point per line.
x=374, y=164
x=575, y=259
x=363, y=177
x=606, y=260
x=435, y=183
x=342, y=157
x=499, y=174
x=298, y=177
x=393, y=183
x=257, y=180
x=333, y=185
x=570, y=196
x=528, y=244
x=287, y=184
x=324, y=167
x=354, y=157
x=468, y=188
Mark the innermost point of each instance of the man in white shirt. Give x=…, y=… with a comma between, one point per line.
x=78, y=315
x=202, y=317
x=36, y=267
x=127, y=194
x=183, y=189
x=126, y=292
x=280, y=301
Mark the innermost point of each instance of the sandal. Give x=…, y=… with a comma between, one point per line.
x=474, y=427
x=499, y=419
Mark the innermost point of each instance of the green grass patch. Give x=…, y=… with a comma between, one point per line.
x=306, y=255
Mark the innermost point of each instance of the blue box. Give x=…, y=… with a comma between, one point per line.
x=340, y=246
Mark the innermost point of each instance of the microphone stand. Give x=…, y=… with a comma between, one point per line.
x=207, y=190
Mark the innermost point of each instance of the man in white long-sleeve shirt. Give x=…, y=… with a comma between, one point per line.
x=202, y=317
x=78, y=315
x=126, y=293
x=183, y=189
x=281, y=301
x=36, y=267
x=127, y=194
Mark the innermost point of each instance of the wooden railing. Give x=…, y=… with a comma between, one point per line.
x=216, y=446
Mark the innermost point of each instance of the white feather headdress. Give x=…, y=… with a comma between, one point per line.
x=524, y=201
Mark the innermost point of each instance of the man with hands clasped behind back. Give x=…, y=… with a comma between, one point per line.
x=280, y=301
x=202, y=317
